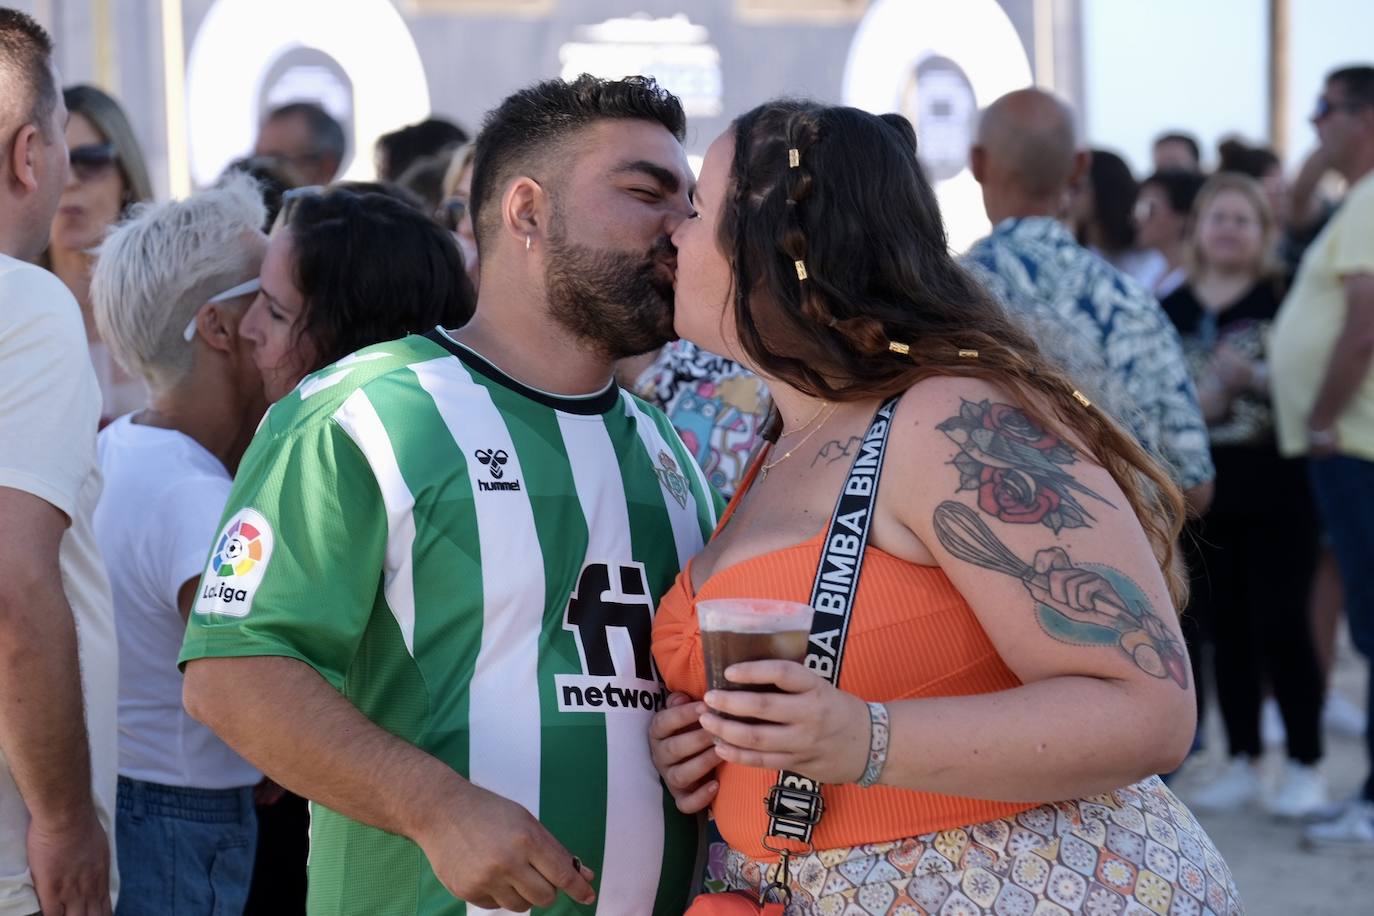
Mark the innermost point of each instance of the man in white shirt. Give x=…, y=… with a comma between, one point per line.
x=170, y=287
x=57, y=642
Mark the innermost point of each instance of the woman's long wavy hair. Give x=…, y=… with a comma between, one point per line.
x=858, y=213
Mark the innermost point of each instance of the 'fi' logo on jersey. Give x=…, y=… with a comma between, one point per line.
x=672, y=478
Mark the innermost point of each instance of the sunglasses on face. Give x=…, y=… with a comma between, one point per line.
x=92, y=160
x=451, y=213
x=1325, y=107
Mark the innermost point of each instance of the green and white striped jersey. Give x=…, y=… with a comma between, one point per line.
x=475, y=564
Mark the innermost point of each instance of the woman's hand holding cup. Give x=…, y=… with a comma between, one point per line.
x=802, y=724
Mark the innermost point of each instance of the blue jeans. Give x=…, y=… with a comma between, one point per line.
x=184, y=851
x=1344, y=488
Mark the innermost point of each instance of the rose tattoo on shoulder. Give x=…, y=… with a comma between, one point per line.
x=1016, y=467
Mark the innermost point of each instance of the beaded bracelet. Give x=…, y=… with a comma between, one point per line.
x=877, y=745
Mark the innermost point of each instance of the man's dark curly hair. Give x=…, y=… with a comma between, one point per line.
x=532, y=126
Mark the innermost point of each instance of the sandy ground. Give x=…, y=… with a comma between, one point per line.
x=1275, y=876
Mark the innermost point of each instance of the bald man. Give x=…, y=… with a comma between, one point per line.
x=1107, y=330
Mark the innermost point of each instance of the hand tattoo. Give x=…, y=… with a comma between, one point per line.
x=834, y=450
x=1016, y=467
x=1083, y=604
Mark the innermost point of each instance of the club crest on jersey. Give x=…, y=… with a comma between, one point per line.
x=672, y=478
x=495, y=462
x=237, y=565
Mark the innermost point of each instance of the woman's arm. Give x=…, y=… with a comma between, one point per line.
x=1043, y=546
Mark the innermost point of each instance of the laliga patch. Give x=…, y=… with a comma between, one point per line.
x=237, y=566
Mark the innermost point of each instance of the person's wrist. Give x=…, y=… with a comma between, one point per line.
x=448, y=797
x=71, y=815
x=879, y=731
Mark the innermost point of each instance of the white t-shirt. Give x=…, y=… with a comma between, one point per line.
x=49, y=408
x=156, y=522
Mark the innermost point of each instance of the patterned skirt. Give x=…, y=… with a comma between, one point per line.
x=1137, y=850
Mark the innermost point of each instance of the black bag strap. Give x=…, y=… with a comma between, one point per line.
x=794, y=803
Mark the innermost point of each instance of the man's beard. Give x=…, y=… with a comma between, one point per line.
x=619, y=302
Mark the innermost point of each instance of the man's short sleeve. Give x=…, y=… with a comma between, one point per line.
x=49, y=399
x=297, y=563
x=1353, y=248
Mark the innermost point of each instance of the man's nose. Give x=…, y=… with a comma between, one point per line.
x=681, y=211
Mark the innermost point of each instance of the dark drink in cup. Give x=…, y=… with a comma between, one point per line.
x=735, y=630
x=724, y=648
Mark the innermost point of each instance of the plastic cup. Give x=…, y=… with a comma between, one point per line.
x=735, y=630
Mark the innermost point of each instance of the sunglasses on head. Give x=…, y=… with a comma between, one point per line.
x=233, y=292
x=91, y=160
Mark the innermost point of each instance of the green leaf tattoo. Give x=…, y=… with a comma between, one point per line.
x=1016, y=467
x=1084, y=604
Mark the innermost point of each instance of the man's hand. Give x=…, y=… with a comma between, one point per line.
x=71, y=867
x=684, y=753
x=491, y=852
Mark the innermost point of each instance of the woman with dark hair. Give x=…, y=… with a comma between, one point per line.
x=345, y=270
x=996, y=575
x=1161, y=220
x=108, y=175
x=1103, y=217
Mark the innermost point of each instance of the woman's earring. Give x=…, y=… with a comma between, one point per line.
x=527, y=243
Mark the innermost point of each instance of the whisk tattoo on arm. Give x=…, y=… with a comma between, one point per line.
x=1086, y=604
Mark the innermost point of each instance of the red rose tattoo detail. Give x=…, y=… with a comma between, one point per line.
x=1014, y=497
x=1013, y=423
x=1017, y=467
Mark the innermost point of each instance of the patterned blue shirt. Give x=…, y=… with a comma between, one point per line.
x=1106, y=330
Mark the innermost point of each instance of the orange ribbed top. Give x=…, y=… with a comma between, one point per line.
x=911, y=634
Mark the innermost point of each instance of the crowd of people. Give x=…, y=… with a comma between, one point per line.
x=401, y=497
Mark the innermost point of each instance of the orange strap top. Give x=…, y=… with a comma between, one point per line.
x=911, y=635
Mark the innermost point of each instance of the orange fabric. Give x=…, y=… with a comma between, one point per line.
x=911, y=635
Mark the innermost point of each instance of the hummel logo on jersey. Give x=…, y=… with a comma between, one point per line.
x=495, y=461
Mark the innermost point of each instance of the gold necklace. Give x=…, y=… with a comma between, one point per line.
x=769, y=465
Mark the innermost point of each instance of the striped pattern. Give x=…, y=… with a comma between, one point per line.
x=518, y=545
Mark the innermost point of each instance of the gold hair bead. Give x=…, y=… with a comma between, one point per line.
x=793, y=158
x=968, y=354
x=801, y=270
x=901, y=348
x=1078, y=396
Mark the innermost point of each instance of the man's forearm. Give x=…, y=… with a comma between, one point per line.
x=1303, y=205
x=42, y=718
x=285, y=719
